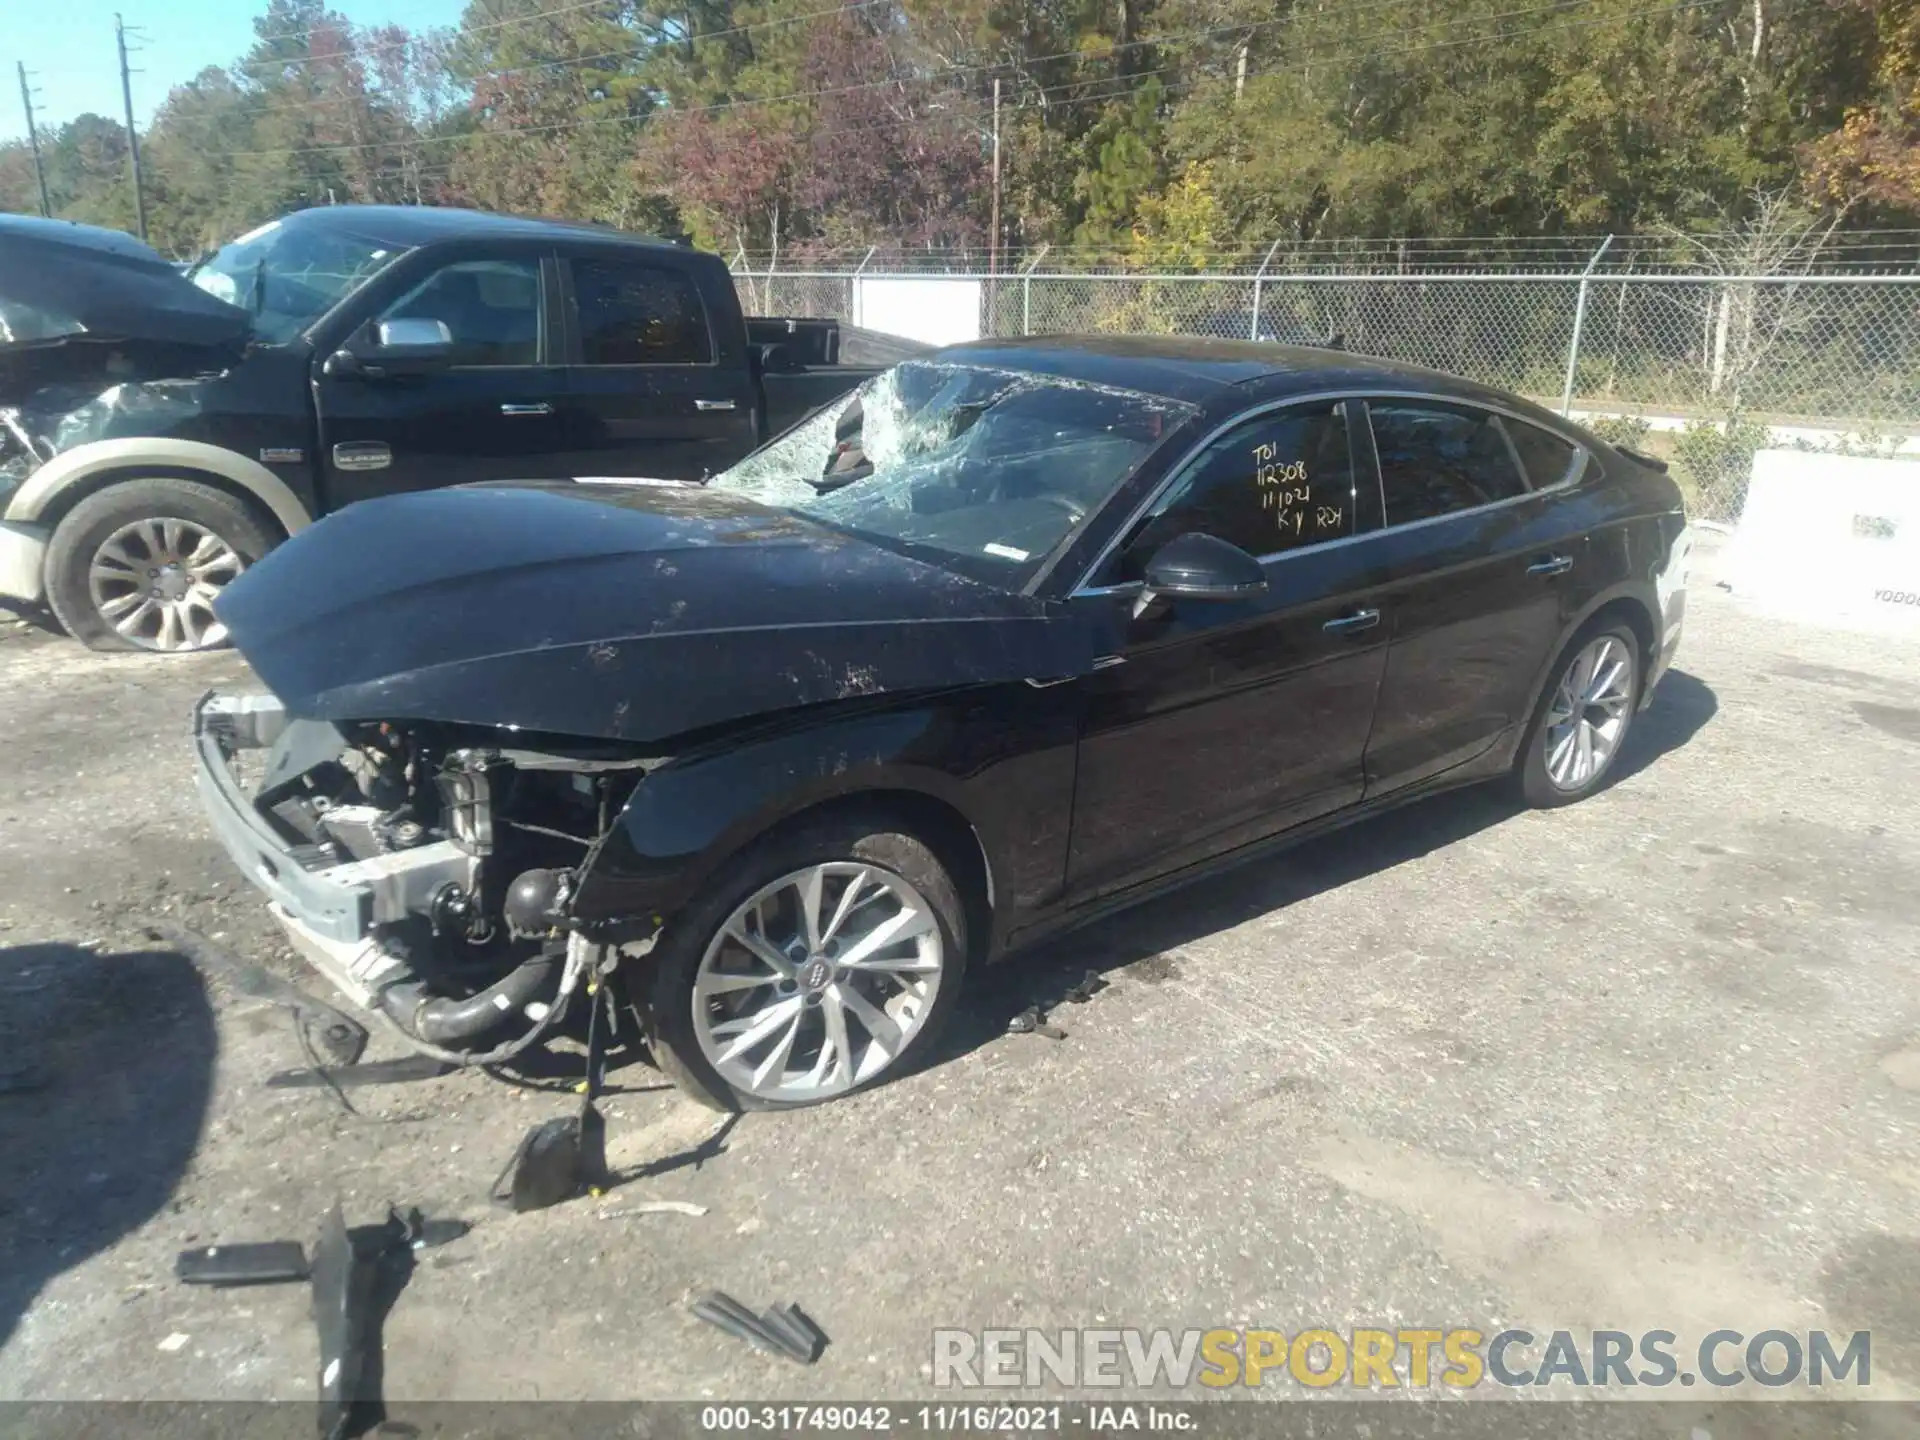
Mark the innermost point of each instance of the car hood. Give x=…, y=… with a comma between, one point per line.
x=630, y=613
x=71, y=294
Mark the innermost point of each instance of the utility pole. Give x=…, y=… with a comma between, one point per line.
x=133, y=137
x=33, y=140
x=993, y=239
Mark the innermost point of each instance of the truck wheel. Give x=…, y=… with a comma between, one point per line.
x=815, y=965
x=138, y=565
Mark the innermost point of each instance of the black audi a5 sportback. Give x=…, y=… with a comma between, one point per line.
x=1020, y=632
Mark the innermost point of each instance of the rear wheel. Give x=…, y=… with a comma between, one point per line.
x=816, y=965
x=138, y=565
x=1583, y=719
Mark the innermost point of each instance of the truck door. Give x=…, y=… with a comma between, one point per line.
x=495, y=413
x=651, y=390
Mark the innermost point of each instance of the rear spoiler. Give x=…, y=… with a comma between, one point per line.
x=1641, y=457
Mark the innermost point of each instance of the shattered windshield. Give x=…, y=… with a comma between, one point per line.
x=288, y=278
x=982, y=470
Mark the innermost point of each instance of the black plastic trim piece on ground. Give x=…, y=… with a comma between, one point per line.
x=784, y=1330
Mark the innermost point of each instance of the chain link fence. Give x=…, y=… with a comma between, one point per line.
x=1699, y=369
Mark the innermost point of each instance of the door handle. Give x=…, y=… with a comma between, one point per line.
x=540, y=409
x=1551, y=565
x=715, y=405
x=1359, y=620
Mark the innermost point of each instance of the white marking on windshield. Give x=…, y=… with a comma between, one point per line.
x=1005, y=552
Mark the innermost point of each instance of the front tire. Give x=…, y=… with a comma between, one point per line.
x=1583, y=719
x=138, y=565
x=817, y=964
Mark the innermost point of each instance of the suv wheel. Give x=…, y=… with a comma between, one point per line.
x=816, y=965
x=138, y=565
x=1583, y=718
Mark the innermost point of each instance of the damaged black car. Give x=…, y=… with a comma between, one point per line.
x=1020, y=633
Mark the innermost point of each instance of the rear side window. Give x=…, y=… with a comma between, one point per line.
x=1275, y=484
x=1436, y=459
x=1546, y=458
x=634, y=314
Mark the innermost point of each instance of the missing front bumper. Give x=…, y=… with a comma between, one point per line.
x=339, y=902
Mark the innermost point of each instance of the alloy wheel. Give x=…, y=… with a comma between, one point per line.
x=1589, y=714
x=155, y=582
x=818, y=982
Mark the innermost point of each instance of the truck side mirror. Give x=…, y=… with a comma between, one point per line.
x=400, y=347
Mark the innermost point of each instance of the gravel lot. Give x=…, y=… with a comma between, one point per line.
x=1648, y=1062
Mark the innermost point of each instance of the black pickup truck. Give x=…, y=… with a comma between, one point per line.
x=161, y=429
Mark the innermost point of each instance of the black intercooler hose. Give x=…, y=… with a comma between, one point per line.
x=443, y=1021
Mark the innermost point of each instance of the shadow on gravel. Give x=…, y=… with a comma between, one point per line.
x=106, y=1066
x=1141, y=937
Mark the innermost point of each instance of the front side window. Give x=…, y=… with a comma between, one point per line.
x=288, y=277
x=634, y=314
x=981, y=470
x=1436, y=459
x=491, y=308
x=1276, y=484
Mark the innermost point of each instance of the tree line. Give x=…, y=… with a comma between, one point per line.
x=1161, y=132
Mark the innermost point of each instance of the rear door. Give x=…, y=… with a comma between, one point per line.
x=652, y=390
x=1481, y=554
x=494, y=414
x=1220, y=722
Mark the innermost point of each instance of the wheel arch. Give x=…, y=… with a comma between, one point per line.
x=687, y=821
x=64, y=481
x=931, y=818
x=1634, y=604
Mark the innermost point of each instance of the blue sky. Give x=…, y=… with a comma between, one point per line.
x=68, y=48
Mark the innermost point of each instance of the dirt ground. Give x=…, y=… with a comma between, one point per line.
x=1652, y=1061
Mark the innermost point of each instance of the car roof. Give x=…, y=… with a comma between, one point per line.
x=411, y=225
x=1196, y=369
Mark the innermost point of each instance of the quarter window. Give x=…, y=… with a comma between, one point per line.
x=1280, y=483
x=491, y=308
x=1545, y=457
x=1436, y=459
x=639, y=315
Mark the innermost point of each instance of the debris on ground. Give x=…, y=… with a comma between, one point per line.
x=656, y=1207
x=400, y=1070
x=1033, y=1020
x=266, y=1262
x=782, y=1330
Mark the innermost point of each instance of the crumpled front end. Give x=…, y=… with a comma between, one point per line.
x=428, y=878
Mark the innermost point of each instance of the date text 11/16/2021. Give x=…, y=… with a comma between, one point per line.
x=961, y=1419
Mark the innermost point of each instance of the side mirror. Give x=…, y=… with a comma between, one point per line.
x=400, y=347
x=1200, y=567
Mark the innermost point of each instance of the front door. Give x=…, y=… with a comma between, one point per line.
x=1221, y=722
x=1480, y=566
x=648, y=395
x=494, y=414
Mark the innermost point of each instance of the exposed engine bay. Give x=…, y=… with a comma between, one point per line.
x=430, y=877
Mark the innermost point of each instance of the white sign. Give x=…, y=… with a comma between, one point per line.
x=935, y=310
x=1831, y=538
